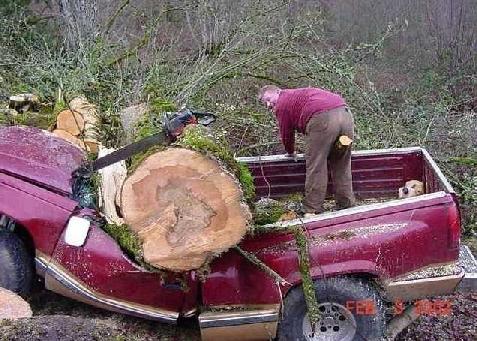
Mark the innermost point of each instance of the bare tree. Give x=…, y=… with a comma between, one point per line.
x=80, y=19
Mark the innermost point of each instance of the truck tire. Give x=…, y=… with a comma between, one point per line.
x=16, y=264
x=350, y=309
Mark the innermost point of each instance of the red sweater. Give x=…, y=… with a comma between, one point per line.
x=295, y=107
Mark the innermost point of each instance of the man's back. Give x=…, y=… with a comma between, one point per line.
x=295, y=107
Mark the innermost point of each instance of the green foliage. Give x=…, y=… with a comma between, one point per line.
x=152, y=122
x=8, y=7
x=160, y=105
x=466, y=186
x=43, y=119
x=246, y=181
x=269, y=211
x=126, y=239
x=109, y=130
x=34, y=60
x=268, y=214
x=59, y=106
x=465, y=160
x=94, y=181
x=132, y=246
x=158, y=80
x=4, y=119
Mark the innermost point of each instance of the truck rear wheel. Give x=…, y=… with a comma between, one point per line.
x=16, y=264
x=350, y=309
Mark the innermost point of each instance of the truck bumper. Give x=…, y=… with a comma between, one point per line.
x=465, y=281
x=460, y=276
x=240, y=323
x=469, y=264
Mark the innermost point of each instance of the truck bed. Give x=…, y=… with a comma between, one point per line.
x=386, y=240
x=376, y=173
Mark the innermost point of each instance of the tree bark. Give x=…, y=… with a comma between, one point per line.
x=112, y=179
x=90, y=116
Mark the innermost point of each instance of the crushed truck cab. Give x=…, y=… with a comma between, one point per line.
x=394, y=249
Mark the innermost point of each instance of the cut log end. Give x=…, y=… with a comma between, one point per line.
x=92, y=146
x=343, y=142
x=71, y=122
x=185, y=208
x=69, y=137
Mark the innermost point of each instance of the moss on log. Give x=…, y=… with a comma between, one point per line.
x=127, y=240
x=268, y=211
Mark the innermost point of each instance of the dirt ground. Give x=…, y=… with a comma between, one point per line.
x=59, y=318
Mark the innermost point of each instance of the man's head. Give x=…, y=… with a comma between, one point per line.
x=268, y=95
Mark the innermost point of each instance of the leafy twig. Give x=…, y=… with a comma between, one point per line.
x=261, y=265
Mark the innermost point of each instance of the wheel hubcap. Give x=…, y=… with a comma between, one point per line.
x=335, y=323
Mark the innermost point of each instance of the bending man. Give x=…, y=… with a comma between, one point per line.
x=322, y=116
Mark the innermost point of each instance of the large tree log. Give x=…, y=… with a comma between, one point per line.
x=185, y=208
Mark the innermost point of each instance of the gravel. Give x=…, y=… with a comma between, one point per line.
x=461, y=324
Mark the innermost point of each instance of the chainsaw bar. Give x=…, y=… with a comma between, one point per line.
x=171, y=128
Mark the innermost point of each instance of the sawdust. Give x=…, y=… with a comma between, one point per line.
x=330, y=204
x=431, y=272
x=360, y=232
x=380, y=228
x=345, y=235
x=465, y=262
x=336, y=237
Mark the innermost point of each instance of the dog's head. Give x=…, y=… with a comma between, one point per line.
x=412, y=188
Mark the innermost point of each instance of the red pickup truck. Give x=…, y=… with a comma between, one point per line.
x=362, y=259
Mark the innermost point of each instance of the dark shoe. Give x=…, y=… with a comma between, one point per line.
x=342, y=206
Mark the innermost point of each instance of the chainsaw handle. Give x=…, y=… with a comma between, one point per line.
x=204, y=118
x=175, y=125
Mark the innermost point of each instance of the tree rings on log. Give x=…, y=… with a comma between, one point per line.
x=184, y=207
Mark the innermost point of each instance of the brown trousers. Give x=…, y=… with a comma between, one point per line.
x=322, y=131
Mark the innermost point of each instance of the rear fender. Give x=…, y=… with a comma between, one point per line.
x=359, y=268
